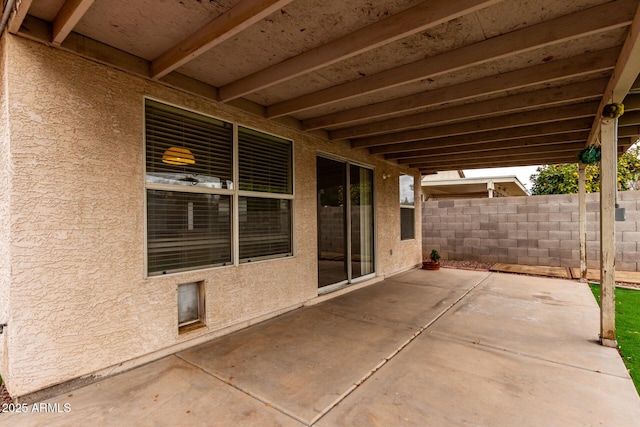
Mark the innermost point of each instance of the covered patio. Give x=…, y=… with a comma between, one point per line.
x=166, y=167
x=450, y=347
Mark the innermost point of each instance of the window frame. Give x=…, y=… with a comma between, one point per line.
x=260, y=194
x=235, y=193
x=405, y=206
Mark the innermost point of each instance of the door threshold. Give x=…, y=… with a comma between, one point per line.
x=332, y=288
x=343, y=289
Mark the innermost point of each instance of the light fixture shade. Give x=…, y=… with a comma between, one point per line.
x=178, y=156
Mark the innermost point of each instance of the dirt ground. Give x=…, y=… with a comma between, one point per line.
x=4, y=395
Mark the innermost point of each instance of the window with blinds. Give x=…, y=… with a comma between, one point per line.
x=185, y=148
x=264, y=162
x=264, y=166
x=407, y=207
x=187, y=230
x=265, y=228
x=192, y=201
x=407, y=221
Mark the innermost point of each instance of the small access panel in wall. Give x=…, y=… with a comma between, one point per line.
x=190, y=306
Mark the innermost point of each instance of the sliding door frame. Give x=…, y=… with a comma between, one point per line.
x=348, y=229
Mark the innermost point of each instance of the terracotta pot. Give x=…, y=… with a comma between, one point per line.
x=430, y=265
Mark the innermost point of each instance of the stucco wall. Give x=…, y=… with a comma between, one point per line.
x=80, y=300
x=537, y=230
x=5, y=185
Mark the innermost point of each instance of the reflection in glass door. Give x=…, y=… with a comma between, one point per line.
x=345, y=222
x=332, y=236
x=361, y=184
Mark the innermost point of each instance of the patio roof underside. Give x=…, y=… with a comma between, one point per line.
x=436, y=85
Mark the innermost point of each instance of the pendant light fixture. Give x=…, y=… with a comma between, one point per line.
x=178, y=156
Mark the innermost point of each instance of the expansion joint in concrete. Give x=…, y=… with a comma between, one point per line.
x=242, y=390
x=396, y=352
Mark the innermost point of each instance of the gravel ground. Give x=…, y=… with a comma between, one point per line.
x=466, y=265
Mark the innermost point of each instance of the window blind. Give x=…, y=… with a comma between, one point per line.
x=264, y=162
x=209, y=140
x=407, y=223
x=265, y=227
x=187, y=230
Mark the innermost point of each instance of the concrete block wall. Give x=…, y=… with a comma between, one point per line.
x=536, y=230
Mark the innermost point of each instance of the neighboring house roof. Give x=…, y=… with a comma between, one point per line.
x=442, y=175
x=458, y=188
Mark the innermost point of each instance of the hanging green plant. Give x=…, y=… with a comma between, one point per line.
x=589, y=155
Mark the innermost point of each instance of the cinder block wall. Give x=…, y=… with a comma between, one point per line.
x=537, y=230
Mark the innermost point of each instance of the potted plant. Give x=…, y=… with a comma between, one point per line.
x=433, y=263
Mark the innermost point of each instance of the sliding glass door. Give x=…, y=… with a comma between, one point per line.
x=345, y=222
x=332, y=227
x=361, y=184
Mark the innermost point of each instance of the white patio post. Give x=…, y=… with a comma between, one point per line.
x=607, y=231
x=582, y=220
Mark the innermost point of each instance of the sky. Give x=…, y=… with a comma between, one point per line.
x=522, y=172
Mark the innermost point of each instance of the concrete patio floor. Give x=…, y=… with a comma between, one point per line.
x=423, y=348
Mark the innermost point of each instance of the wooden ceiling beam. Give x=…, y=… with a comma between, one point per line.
x=434, y=169
x=493, y=163
x=577, y=66
x=514, y=120
x=631, y=118
x=625, y=74
x=435, y=149
x=636, y=85
x=632, y=102
x=410, y=140
x=67, y=18
x=503, y=161
x=628, y=131
x=21, y=9
x=564, y=147
x=625, y=142
x=419, y=18
x=238, y=18
x=596, y=19
x=576, y=92
x=623, y=146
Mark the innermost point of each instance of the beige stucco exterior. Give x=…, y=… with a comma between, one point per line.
x=5, y=185
x=73, y=287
